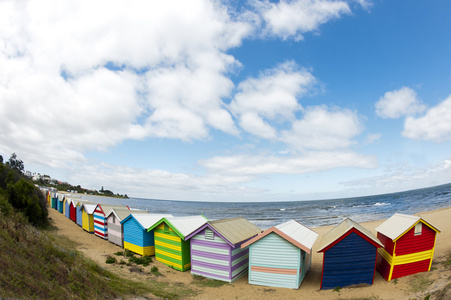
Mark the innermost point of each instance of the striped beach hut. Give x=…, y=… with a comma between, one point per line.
x=281, y=256
x=100, y=220
x=171, y=248
x=216, y=248
x=349, y=255
x=136, y=236
x=114, y=218
x=87, y=211
x=409, y=243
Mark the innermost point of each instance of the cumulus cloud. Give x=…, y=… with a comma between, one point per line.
x=398, y=103
x=322, y=128
x=292, y=19
x=272, y=97
x=435, y=125
x=81, y=82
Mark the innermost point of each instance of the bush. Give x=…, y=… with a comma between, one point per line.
x=110, y=259
x=29, y=200
x=145, y=260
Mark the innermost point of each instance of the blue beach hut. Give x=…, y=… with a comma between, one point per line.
x=67, y=202
x=349, y=255
x=78, y=212
x=136, y=237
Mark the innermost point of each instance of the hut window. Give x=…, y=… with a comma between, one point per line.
x=114, y=219
x=166, y=228
x=209, y=234
x=418, y=228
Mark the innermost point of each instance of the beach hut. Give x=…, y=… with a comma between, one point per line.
x=281, y=256
x=114, y=218
x=136, y=236
x=349, y=255
x=48, y=197
x=73, y=209
x=87, y=211
x=66, y=202
x=409, y=243
x=171, y=248
x=100, y=220
x=54, y=200
x=216, y=248
x=78, y=211
x=60, y=203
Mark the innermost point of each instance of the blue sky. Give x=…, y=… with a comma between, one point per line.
x=229, y=100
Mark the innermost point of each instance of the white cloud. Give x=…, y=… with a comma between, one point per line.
x=399, y=103
x=312, y=161
x=170, y=80
x=435, y=125
x=405, y=177
x=294, y=18
x=272, y=97
x=371, y=138
x=322, y=128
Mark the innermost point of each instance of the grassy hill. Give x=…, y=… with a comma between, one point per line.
x=33, y=264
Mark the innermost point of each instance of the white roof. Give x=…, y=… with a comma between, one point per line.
x=397, y=224
x=186, y=225
x=147, y=220
x=299, y=233
x=89, y=208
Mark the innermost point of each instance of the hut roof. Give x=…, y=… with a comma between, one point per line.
x=341, y=229
x=292, y=231
x=89, y=208
x=123, y=212
x=146, y=220
x=398, y=224
x=233, y=230
x=182, y=226
x=107, y=208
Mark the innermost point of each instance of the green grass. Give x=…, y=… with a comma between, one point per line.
x=41, y=264
x=206, y=282
x=420, y=282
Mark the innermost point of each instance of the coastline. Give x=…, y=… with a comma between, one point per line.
x=97, y=249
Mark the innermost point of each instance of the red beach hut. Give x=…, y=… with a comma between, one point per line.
x=409, y=243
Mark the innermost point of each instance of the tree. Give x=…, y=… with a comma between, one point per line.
x=15, y=163
x=1, y=159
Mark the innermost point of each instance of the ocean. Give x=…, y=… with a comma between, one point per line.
x=310, y=213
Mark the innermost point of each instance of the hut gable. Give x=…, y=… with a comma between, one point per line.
x=280, y=256
x=349, y=255
x=399, y=224
x=339, y=232
x=292, y=231
x=409, y=243
x=216, y=251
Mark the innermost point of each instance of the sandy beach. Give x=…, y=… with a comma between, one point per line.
x=410, y=287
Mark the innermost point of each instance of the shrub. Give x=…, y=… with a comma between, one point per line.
x=110, y=259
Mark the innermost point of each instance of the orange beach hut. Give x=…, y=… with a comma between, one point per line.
x=409, y=243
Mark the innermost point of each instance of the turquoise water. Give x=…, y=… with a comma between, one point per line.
x=310, y=213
